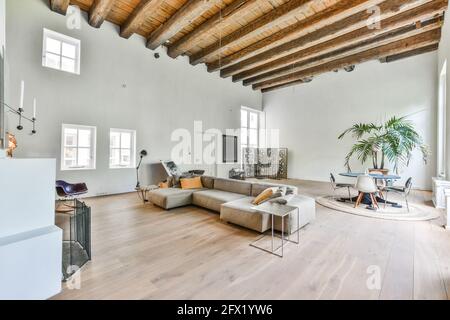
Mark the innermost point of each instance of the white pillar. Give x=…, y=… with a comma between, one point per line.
x=447, y=197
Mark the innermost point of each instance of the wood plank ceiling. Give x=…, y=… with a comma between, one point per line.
x=271, y=44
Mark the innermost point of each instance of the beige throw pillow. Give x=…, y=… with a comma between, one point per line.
x=264, y=196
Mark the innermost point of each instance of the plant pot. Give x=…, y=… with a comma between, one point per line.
x=384, y=171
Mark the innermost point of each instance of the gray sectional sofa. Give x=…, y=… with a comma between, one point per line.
x=233, y=200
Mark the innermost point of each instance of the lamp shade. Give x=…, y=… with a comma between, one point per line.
x=144, y=153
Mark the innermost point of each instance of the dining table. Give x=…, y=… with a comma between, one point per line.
x=366, y=199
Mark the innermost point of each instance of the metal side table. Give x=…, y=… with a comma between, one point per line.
x=283, y=211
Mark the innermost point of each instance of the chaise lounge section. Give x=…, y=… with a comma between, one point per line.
x=233, y=200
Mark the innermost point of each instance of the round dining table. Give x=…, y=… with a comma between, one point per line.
x=366, y=199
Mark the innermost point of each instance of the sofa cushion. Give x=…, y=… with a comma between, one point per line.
x=191, y=183
x=235, y=186
x=208, y=182
x=213, y=199
x=171, y=198
x=257, y=188
x=241, y=212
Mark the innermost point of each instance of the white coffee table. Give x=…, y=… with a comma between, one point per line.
x=282, y=211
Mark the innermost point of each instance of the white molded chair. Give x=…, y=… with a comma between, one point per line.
x=366, y=184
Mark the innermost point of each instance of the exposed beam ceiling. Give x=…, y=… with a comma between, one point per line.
x=266, y=22
x=404, y=19
x=99, y=11
x=321, y=19
x=357, y=21
x=220, y=18
x=418, y=41
x=189, y=12
x=411, y=53
x=59, y=6
x=386, y=38
x=271, y=44
x=137, y=18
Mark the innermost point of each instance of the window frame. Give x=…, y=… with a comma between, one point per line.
x=62, y=39
x=132, y=149
x=92, y=148
x=247, y=128
x=441, y=121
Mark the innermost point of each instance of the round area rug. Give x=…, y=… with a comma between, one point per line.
x=416, y=213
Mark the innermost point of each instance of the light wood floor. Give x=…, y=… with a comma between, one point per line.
x=142, y=252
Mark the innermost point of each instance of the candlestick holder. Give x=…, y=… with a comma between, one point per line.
x=20, y=113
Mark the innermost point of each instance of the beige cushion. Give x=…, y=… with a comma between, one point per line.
x=235, y=186
x=241, y=212
x=208, y=182
x=213, y=199
x=264, y=196
x=171, y=198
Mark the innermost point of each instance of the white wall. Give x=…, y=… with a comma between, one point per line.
x=444, y=54
x=2, y=23
x=311, y=116
x=121, y=86
x=30, y=243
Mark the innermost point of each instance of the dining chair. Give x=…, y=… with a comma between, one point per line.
x=381, y=183
x=402, y=190
x=337, y=186
x=365, y=184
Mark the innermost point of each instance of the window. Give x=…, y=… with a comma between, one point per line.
x=61, y=52
x=122, y=150
x=78, y=147
x=250, y=125
x=441, y=140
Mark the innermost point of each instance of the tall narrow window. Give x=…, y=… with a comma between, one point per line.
x=78, y=147
x=61, y=52
x=250, y=125
x=441, y=165
x=122, y=149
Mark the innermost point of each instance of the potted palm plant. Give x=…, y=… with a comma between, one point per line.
x=394, y=140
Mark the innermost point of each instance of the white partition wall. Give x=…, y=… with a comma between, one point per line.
x=30, y=243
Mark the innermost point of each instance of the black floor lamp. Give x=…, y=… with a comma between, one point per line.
x=142, y=154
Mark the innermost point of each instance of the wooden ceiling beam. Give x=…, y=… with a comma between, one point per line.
x=99, y=12
x=411, y=53
x=398, y=47
x=406, y=18
x=380, y=40
x=296, y=82
x=354, y=22
x=137, y=18
x=183, y=17
x=262, y=24
x=321, y=19
x=191, y=39
x=60, y=6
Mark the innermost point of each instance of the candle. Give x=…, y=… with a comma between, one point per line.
x=34, y=108
x=22, y=94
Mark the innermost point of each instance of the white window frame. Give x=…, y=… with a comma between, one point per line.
x=132, y=150
x=246, y=144
x=63, y=39
x=93, y=148
x=442, y=118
